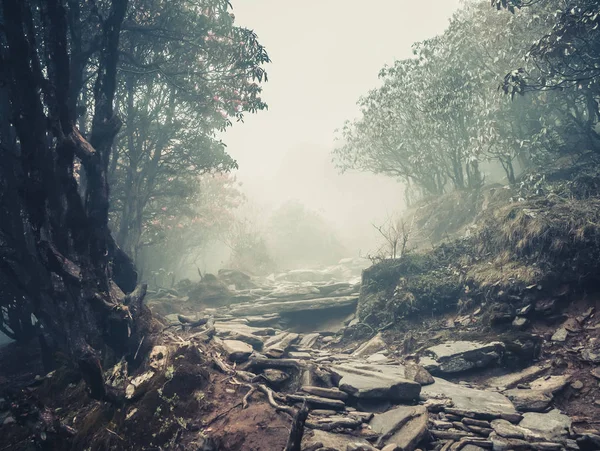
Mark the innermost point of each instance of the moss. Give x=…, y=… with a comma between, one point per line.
x=419, y=283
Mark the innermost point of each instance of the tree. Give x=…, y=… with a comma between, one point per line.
x=186, y=74
x=57, y=254
x=567, y=58
x=438, y=115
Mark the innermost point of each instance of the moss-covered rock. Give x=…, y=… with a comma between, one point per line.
x=419, y=283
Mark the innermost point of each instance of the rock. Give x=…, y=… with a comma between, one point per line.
x=254, y=341
x=238, y=279
x=223, y=328
x=525, y=310
x=379, y=382
x=276, y=346
x=592, y=352
x=360, y=447
x=391, y=447
x=332, y=393
x=293, y=306
x=372, y=346
x=520, y=322
x=553, y=425
x=475, y=403
x=8, y=420
x=138, y=384
x=508, y=444
x=378, y=357
x=577, y=385
x=529, y=400
x=501, y=313
x=158, y=357
x=275, y=377
x=596, y=372
x=546, y=306
x=572, y=325
x=507, y=430
x=513, y=379
x=417, y=373
x=407, y=424
x=328, y=440
x=429, y=364
x=589, y=442
x=551, y=384
x=478, y=423
x=560, y=335
x=472, y=448
x=308, y=341
x=458, y=356
x=299, y=355
x=236, y=350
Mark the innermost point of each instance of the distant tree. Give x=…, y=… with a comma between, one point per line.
x=438, y=115
x=567, y=58
x=298, y=236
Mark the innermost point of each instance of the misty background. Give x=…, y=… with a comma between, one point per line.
x=325, y=55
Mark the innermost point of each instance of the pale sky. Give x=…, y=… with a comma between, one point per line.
x=326, y=54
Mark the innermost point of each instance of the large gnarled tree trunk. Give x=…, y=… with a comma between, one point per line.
x=58, y=252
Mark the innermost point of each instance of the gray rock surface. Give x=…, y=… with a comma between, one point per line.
x=236, y=350
x=293, y=306
x=468, y=399
x=406, y=426
x=553, y=425
x=458, y=356
x=380, y=382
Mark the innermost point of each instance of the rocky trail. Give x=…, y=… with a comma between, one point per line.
x=283, y=363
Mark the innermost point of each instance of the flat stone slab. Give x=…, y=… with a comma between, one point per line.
x=236, y=350
x=458, y=356
x=377, y=382
x=513, y=379
x=553, y=425
x=407, y=426
x=370, y=347
x=469, y=399
x=293, y=306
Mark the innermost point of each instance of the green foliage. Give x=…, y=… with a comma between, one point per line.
x=439, y=115
x=187, y=72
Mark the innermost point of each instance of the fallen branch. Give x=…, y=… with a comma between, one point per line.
x=267, y=391
x=247, y=397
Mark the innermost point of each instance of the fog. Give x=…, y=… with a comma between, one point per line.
x=325, y=55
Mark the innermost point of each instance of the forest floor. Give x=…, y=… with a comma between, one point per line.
x=502, y=311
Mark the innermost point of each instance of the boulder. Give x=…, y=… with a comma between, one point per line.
x=238, y=279
x=404, y=426
x=529, y=400
x=480, y=403
x=513, y=379
x=275, y=377
x=372, y=346
x=458, y=356
x=377, y=382
x=417, y=373
x=309, y=340
x=328, y=440
x=560, y=335
x=552, y=425
x=236, y=350
x=378, y=358
x=500, y=443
